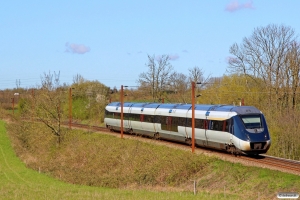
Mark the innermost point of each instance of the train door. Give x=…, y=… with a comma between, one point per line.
x=166, y=123
x=206, y=125
x=166, y=127
x=129, y=117
x=230, y=130
x=126, y=115
x=173, y=124
x=235, y=133
x=170, y=124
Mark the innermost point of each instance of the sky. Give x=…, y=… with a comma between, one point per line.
x=109, y=41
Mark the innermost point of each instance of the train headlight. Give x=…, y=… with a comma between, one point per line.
x=265, y=136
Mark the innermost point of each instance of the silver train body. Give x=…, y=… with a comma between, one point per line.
x=236, y=129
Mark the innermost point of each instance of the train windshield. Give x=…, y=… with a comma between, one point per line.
x=252, y=121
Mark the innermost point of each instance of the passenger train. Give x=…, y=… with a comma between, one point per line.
x=236, y=129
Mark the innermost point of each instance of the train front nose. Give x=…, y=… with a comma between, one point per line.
x=258, y=142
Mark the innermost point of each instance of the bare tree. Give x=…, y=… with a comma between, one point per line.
x=78, y=79
x=263, y=55
x=292, y=74
x=197, y=75
x=179, y=84
x=157, y=77
x=47, y=103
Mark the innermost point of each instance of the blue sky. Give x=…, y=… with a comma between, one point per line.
x=109, y=41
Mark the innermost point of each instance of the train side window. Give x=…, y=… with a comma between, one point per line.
x=216, y=125
x=221, y=125
x=131, y=116
x=157, y=119
x=175, y=121
x=109, y=114
x=224, y=125
x=148, y=118
x=181, y=121
x=136, y=117
x=188, y=122
x=199, y=123
x=164, y=120
x=151, y=118
x=228, y=126
x=117, y=116
x=145, y=118
x=212, y=125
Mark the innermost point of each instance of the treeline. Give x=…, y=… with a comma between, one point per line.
x=264, y=71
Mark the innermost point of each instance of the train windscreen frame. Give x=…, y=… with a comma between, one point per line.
x=252, y=121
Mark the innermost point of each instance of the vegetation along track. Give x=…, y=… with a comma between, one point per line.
x=265, y=161
x=282, y=164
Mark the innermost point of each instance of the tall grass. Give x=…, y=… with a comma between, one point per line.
x=19, y=182
x=137, y=170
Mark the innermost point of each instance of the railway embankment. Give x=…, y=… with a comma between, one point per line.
x=101, y=160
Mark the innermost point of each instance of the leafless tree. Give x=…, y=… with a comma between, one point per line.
x=179, y=84
x=264, y=55
x=157, y=77
x=78, y=79
x=197, y=75
x=292, y=74
x=47, y=103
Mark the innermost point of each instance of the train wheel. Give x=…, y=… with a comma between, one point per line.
x=188, y=141
x=233, y=150
x=156, y=136
x=131, y=132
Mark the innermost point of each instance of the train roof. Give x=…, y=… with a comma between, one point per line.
x=241, y=110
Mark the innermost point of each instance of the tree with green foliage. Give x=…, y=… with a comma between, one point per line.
x=89, y=100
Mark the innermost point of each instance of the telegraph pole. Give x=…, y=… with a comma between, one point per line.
x=193, y=116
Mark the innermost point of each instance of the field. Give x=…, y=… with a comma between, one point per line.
x=163, y=179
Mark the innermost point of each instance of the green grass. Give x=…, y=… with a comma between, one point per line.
x=19, y=182
x=106, y=162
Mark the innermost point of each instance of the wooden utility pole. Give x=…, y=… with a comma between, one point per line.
x=193, y=116
x=70, y=108
x=122, y=99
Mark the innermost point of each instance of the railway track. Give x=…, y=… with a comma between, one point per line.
x=85, y=126
x=276, y=163
x=265, y=161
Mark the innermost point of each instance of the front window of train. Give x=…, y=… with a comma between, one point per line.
x=252, y=121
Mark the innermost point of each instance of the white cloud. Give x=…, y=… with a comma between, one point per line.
x=235, y=5
x=173, y=57
x=77, y=48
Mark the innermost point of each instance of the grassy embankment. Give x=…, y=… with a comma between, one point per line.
x=106, y=161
